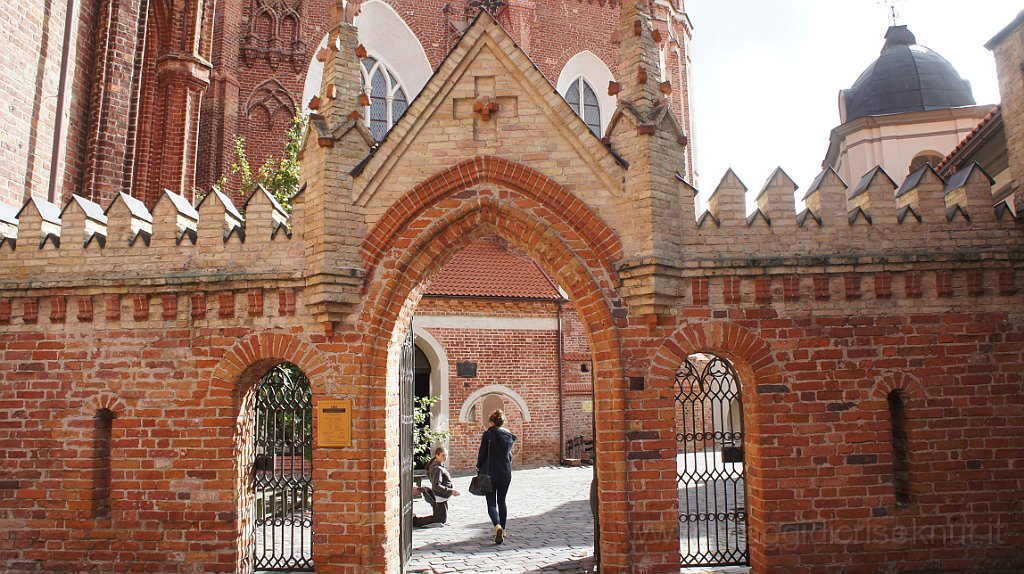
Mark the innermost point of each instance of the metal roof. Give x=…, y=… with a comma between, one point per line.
x=906, y=77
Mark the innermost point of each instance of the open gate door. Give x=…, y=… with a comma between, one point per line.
x=406, y=461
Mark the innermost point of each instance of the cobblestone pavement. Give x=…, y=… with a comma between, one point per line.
x=550, y=529
x=711, y=498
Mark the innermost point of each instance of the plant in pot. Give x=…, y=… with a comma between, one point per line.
x=424, y=437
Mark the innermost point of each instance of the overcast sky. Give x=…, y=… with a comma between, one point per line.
x=767, y=73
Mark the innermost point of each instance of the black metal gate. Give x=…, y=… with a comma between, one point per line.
x=406, y=460
x=283, y=472
x=711, y=475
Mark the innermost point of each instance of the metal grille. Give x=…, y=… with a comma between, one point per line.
x=710, y=469
x=406, y=460
x=283, y=472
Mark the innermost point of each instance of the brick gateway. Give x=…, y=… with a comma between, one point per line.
x=161, y=322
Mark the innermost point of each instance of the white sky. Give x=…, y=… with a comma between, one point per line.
x=767, y=73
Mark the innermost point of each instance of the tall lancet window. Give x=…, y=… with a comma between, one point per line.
x=387, y=97
x=583, y=101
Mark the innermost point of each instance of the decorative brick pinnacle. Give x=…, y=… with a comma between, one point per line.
x=361, y=51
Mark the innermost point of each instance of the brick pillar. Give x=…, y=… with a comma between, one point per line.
x=181, y=82
x=221, y=102
x=120, y=29
x=1008, y=48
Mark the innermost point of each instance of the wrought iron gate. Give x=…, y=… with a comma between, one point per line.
x=406, y=460
x=283, y=472
x=711, y=475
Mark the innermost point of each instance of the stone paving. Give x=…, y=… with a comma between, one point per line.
x=550, y=529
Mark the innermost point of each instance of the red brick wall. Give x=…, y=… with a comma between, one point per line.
x=30, y=64
x=525, y=361
x=552, y=32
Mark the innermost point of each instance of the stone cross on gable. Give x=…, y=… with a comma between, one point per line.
x=486, y=108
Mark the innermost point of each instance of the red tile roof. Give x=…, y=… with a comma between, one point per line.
x=963, y=143
x=487, y=269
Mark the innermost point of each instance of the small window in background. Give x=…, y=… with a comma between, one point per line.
x=919, y=161
x=388, y=101
x=583, y=100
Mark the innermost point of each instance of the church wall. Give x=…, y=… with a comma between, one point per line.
x=29, y=75
x=523, y=360
x=551, y=32
x=1009, y=56
x=893, y=143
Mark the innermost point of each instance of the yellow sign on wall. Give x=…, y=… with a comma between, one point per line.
x=334, y=423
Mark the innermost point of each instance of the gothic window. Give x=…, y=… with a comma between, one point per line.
x=583, y=101
x=387, y=97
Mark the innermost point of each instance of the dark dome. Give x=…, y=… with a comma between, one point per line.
x=907, y=77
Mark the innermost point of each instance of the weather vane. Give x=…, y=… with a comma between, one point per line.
x=893, y=13
x=491, y=6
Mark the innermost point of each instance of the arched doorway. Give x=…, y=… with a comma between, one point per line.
x=281, y=419
x=503, y=370
x=710, y=463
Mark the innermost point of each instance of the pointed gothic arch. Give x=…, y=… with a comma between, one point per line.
x=592, y=70
x=390, y=40
x=428, y=244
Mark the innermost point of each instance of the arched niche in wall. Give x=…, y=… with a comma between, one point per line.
x=466, y=413
x=387, y=38
x=588, y=66
x=438, y=360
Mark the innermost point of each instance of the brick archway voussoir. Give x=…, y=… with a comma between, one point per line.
x=732, y=341
x=270, y=349
x=601, y=239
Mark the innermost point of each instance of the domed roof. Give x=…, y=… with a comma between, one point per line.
x=907, y=77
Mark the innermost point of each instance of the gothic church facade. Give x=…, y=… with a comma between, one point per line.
x=874, y=340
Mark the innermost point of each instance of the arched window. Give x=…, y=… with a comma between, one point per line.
x=387, y=97
x=925, y=157
x=583, y=100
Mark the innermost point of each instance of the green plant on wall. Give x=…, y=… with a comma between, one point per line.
x=423, y=436
x=279, y=176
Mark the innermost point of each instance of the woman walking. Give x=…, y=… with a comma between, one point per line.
x=439, y=492
x=495, y=459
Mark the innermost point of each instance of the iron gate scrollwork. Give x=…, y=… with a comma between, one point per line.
x=406, y=460
x=283, y=472
x=710, y=468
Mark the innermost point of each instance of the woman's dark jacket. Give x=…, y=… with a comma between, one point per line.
x=440, y=479
x=499, y=440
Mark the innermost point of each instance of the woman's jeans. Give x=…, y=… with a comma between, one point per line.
x=496, y=500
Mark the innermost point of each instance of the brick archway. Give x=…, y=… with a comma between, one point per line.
x=759, y=374
x=235, y=376
x=538, y=190
x=255, y=354
x=424, y=244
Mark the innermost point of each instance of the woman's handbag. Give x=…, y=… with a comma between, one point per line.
x=481, y=483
